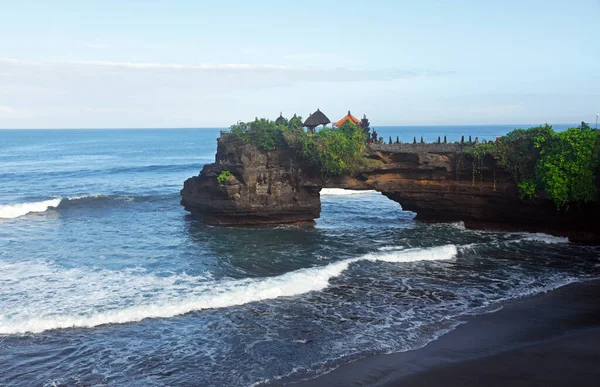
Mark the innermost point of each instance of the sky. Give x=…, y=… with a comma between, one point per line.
x=145, y=64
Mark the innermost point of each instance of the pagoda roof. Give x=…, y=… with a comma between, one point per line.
x=316, y=119
x=347, y=117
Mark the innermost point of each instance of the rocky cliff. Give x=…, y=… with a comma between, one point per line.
x=266, y=188
x=437, y=181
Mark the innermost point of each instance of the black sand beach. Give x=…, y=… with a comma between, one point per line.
x=551, y=339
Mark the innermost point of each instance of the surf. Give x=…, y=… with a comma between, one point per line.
x=12, y=211
x=183, y=294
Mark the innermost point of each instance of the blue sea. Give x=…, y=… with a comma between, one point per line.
x=106, y=280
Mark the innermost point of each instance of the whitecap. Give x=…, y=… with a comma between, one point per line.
x=340, y=191
x=11, y=211
x=85, y=298
x=544, y=238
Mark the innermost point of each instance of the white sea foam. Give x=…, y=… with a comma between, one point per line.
x=11, y=211
x=60, y=298
x=390, y=248
x=544, y=238
x=340, y=191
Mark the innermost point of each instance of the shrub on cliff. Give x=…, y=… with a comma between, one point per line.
x=520, y=149
x=223, y=176
x=567, y=166
x=335, y=151
x=262, y=133
x=559, y=166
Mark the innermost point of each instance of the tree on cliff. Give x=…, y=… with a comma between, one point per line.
x=567, y=166
x=336, y=151
x=262, y=133
x=561, y=166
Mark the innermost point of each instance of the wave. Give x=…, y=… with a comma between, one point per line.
x=390, y=248
x=78, y=172
x=544, y=238
x=173, y=296
x=340, y=191
x=11, y=211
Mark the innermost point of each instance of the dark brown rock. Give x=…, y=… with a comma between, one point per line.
x=266, y=188
x=437, y=181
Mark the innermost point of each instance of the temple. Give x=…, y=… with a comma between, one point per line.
x=316, y=119
x=348, y=117
x=281, y=120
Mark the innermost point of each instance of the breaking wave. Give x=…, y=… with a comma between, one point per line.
x=85, y=299
x=12, y=211
x=340, y=191
x=543, y=238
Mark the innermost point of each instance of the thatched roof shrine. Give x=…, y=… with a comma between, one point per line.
x=316, y=119
x=280, y=120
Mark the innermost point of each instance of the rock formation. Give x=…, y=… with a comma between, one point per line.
x=266, y=188
x=437, y=181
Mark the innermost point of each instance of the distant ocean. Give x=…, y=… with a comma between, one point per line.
x=104, y=278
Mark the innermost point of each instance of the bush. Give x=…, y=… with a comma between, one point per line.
x=520, y=149
x=567, y=166
x=335, y=151
x=262, y=133
x=561, y=165
x=527, y=189
x=223, y=176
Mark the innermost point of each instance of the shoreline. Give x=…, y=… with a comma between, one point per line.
x=547, y=339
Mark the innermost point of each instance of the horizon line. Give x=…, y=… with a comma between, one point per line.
x=227, y=127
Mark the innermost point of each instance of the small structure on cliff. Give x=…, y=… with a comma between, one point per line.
x=366, y=127
x=281, y=120
x=316, y=119
x=346, y=118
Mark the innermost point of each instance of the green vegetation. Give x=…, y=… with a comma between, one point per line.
x=262, y=133
x=558, y=166
x=567, y=166
x=223, y=176
x=335, y=151
x=527, y=189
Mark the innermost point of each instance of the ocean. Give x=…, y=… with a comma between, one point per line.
x=105, y=279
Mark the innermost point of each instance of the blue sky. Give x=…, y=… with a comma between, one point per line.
x=80, y=64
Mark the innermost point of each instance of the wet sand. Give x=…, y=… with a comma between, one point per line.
x=552, y=339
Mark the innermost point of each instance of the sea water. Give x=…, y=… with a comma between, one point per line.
x=105, y=279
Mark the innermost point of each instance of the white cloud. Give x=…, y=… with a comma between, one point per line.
x=307, y=73
x=5, y=110
x=147, y=94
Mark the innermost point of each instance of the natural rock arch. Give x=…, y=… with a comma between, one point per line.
x=437, y=181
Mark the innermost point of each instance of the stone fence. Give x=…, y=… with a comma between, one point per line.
x=418, y=147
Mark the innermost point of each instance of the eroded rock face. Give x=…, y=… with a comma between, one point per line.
x=436, y=181
x=266, y=188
